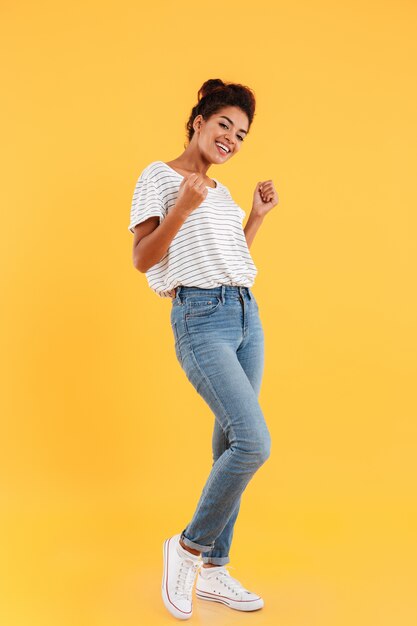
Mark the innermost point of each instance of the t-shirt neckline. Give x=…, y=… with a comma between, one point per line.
x=181, y=176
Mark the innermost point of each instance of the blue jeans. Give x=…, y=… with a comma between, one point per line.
x=219, y=343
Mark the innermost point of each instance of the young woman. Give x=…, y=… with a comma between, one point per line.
x=190, y=242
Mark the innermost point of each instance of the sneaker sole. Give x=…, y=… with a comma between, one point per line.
x=168, y=604
x=252, y=605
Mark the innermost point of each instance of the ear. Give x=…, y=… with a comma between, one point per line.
x=198, y=123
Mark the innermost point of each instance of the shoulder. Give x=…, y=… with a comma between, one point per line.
x=224, y=190
x=152, y=171
x=223, y=187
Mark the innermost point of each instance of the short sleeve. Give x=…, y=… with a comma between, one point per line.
x=146, y=201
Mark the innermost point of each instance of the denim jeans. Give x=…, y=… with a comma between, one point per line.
x=219, y=343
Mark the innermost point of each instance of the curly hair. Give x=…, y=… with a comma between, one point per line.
x=214, y=94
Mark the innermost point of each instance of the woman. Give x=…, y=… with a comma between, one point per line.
x=189, y=240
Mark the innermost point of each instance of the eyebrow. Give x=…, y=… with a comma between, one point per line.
x=230, y=121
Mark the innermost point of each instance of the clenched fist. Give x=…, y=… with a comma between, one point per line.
x=264, y=198
x=191, y=193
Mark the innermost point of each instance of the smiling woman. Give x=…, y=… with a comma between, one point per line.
x=190, y=242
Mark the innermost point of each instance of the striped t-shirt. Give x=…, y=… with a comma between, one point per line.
x=210, y=248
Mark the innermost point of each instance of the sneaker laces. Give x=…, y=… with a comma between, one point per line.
x=232, y=583
x=186, y=576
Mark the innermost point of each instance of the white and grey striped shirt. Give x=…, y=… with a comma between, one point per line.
x=210, y=248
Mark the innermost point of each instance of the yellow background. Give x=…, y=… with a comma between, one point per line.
x=105, y=445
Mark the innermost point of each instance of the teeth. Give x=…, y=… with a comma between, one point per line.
x=226, y=149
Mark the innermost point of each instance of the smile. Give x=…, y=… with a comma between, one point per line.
x=222, y=148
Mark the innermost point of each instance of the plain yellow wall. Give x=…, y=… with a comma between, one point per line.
x=105, y=445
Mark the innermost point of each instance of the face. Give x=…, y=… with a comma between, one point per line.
x=229, y=126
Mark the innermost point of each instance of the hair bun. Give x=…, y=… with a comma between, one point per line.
x=211, y=85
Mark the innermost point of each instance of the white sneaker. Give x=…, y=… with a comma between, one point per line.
x=217, y=585
x=179, y=572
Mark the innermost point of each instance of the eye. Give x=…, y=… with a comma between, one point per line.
x=225, y=126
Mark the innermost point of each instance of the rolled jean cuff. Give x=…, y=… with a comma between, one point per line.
x=216, y=560
x=194, y=545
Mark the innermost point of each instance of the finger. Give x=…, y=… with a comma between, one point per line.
x=268, y=193
x=195, y=179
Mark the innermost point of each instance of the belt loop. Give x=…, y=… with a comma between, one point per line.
x=177, y=294
x=223, y=289
x=249, y=293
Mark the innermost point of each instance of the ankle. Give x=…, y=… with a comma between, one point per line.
x=188, y=548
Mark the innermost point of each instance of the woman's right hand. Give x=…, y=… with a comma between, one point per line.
x=191, y=193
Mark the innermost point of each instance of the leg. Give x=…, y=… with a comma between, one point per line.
x=251, y=358
x=208, y=346
x=223, y=541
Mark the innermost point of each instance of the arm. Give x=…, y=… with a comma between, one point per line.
x=152, y=240
x=264, y=199
x=252, y=226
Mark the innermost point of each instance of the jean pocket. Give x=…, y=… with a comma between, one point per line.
x=201, y=306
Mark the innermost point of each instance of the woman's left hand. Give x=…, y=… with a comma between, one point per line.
x=264, y=198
